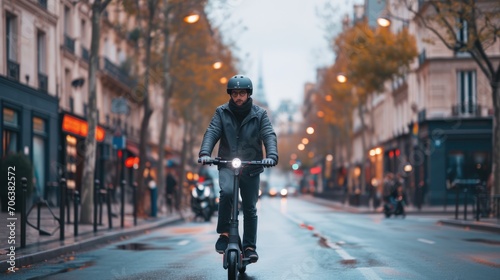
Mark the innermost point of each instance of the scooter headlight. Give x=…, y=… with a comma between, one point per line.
x=236, y=163
x=206, y=192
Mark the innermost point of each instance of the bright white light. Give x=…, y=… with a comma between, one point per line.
x=236, y=163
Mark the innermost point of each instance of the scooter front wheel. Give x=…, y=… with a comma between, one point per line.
x=232, y=266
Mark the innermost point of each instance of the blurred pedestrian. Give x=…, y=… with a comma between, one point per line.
x=171, y=185
x=388, y=187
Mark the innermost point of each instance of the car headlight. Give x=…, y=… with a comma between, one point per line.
x=236, y=163
x=284, y=192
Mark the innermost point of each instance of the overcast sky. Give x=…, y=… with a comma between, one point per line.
x=286, y=36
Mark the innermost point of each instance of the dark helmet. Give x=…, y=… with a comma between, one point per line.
x=239, y=82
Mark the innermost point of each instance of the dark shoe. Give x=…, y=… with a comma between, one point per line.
x=251, y=254
x=221, y=244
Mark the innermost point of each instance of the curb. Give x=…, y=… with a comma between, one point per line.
x=41, y=256
x=472, y=225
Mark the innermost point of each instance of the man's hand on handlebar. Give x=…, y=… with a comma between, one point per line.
x=205, y=160
x=268, y=162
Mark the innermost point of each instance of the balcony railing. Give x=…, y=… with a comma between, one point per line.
x=43, y=82
x=13, y=70
x=85, y=54
x=69, y=44
x=466, y=109
x=118, y=74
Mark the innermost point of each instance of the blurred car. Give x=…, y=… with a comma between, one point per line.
x=272, y=192
x=292, y=190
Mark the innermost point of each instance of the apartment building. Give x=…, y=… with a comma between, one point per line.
x=433, y=125
x=29, y=87
x=44, y=69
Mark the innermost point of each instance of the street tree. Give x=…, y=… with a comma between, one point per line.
x=87, y=189
x=374, y=56
x=196, y=86
x=473, y=27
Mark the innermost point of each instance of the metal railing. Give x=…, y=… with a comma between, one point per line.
x=466, y=109
x=13, y=70
x=111, y=69
x=43, y=82
x=69, y=43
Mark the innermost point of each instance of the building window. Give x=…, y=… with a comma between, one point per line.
x=11, y=46
x=42, y=61
x=39, y=155
x=10, y=135
x=467, y=92
x=67, y=20
x=463, y=31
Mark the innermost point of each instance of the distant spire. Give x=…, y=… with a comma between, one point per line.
x=259, y=94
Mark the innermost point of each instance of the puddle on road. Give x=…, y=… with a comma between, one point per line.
x=140, y=247
x=486, y=241
x=71, y=267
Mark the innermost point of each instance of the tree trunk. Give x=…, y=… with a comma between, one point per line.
x=166, y=98
x=148, y=111
x=363, y=149
x=496, y=138
x=87, y=188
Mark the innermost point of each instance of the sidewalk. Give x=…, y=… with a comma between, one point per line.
x=40, y=247
x=444, y=216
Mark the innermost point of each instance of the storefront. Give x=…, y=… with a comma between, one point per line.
x=74, y=130
x=29, y=125
x=447, y=150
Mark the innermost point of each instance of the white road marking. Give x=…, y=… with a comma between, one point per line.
x=368, y=273
x=183, y=242
x=426, y=241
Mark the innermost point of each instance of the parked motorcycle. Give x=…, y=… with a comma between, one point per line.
x=203, y=200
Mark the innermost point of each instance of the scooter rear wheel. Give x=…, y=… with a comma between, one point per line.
x=232, y=266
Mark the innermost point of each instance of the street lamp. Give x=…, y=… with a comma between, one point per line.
x=217, y=65
x=385, y=19
x=192, y=18
x=310, y=130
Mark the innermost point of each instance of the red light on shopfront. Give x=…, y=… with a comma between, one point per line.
x=397, y=152
x=391, y=154
x=131, y=161
x=120, y=154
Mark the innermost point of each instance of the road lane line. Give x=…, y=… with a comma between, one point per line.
x=426, y=241
x=342, y=253
x=183, y=242
x=368, y=273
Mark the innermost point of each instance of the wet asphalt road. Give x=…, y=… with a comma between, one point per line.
x=297, y=239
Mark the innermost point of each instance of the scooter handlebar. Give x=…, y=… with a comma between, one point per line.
x=218, y=161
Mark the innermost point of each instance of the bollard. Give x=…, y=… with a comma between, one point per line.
x=108, y=204
x=134, y=197
x=62, y=200
x=456, y=203
x=465, y=204
x=68, y=199
x=153, y=196
x=101, y=197
x=122, y=210
x=96, y=197
x=24, y=182
x=76, y=201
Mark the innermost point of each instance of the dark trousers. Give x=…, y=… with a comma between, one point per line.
x=249, y=190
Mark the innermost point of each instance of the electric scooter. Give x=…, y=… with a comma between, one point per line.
x=233, y=259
